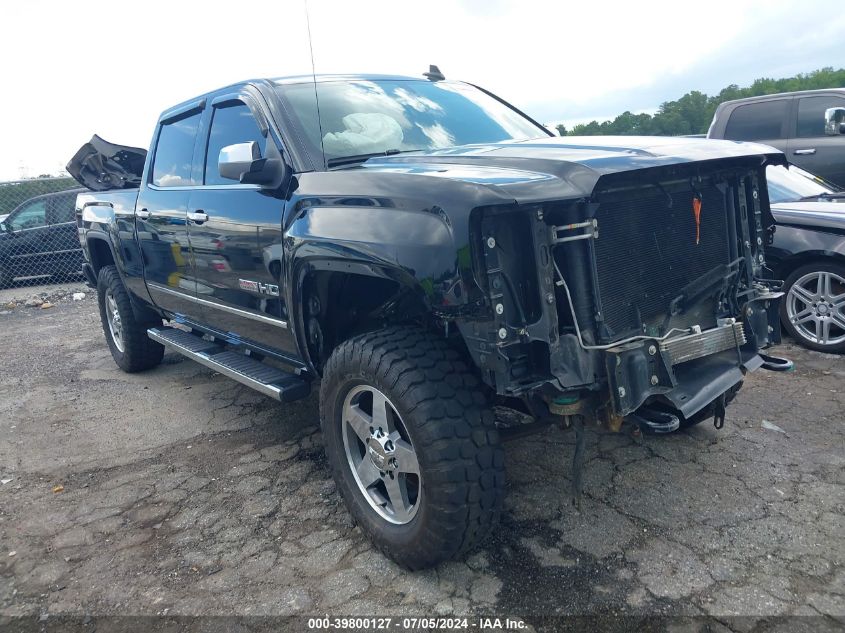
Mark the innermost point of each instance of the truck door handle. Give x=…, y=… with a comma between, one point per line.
x=199, y=216
x=804, y=152
x=142, y=214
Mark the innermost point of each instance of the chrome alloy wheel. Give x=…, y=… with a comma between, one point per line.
x=815, y=307
x=115, y=324
x=380, y=454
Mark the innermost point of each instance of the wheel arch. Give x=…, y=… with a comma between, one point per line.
x=787, y=266
x=100, y=252
x=335, y=300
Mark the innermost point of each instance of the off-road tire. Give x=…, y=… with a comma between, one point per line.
x=451, y=426
x=139, y=351
x=820, y=266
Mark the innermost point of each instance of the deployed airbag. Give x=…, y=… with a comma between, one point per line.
x=366, y=133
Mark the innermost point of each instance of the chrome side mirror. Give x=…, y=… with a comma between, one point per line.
x=834, y=121
x=242, y=162
x=238, y=159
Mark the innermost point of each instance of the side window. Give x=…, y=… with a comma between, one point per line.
x=61, y=209
x=811, y=114
x=757, y=121
x=30, y=217
x=230, y=124
x=175, y=152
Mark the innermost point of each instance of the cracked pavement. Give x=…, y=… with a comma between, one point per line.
x=186, y=493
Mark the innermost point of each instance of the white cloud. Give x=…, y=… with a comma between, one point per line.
x=72, y=69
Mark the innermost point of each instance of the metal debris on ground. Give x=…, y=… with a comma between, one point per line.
x=772, y=427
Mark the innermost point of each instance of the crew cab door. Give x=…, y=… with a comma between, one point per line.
x=809, y=147
x=26, y=244
x=65, y=251
x=161, y=214
x=236, y=234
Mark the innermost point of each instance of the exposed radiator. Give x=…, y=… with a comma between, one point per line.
x=692, y=346
x=647, y=252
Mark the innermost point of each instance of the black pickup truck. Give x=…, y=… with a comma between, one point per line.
x=426, y=251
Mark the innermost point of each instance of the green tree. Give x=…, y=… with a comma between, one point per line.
x=693, y=112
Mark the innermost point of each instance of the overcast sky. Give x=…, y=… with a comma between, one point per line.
x=71, y=69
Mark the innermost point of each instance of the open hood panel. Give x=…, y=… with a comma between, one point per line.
x=100, y=165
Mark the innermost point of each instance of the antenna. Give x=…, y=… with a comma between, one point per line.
x=314, y=78
x=434, y=74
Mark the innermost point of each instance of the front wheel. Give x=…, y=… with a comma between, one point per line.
x=813, y=310
x=412, y=445
x=126, y=335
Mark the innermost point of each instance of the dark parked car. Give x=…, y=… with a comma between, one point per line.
x=808, y=252
x=39, y=237
x=425, y=250
x=808, y=126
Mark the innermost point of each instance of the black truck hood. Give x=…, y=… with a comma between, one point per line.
x=565, y=167
x=100, y=165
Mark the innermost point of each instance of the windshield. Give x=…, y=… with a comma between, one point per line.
x=359, y=117
x=789, y=185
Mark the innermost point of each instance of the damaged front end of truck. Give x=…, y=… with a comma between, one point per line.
x=645, y=301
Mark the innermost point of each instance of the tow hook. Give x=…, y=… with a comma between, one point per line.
x=654, y=421
x=773, y=363
x=719, y=413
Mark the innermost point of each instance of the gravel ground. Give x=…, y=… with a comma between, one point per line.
x=177, y=491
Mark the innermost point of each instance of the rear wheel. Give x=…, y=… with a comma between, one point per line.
x=813, y=310
x=126, y=335
x=412, y=445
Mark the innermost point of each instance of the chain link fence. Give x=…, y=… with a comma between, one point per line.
x=39, y=242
